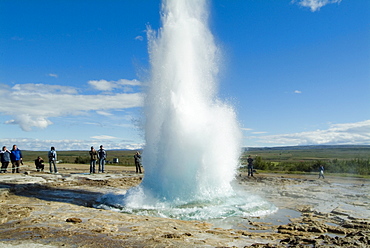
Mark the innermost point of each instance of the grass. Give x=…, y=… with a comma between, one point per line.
x=275, y=155
x=310, y=154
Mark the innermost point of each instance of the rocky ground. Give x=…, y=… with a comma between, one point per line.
x=39, y=209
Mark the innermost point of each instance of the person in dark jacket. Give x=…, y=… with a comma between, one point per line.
x=52, y=155
x=39, y=162
x=137, y=158
x=16, y=158
x=250, y=166
x=5, y=159
x=102, y=154
x=93, y=157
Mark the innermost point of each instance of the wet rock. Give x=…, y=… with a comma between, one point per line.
x=340, y=211
x=334, y=229
x=52, y=200
x=171, y=236
x=74, y=220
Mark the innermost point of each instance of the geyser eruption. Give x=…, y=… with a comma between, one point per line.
x=192, y=138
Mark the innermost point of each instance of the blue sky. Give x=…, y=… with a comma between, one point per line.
x=72, y=72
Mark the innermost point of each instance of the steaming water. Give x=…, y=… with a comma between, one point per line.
x=193, y=139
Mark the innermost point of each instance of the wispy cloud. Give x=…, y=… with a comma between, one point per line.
x=103, y=137
x=315, y=5
x=104, y=113
x=104, y=85
x=53, y=75
x=20, y=89
x=348, y=133
x=246, y=129
x=297, y=92
x=32, y=105
x=17, y=38
x=140, y=38
x=70, y=144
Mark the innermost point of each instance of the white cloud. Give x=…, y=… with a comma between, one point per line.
x=315, y=5
x=246, y=129
x=43, y=89
x=32, y=105
x=53, y=75
x=70, y=144
x=104, y=85
x=104, y=113
x=348, y=133
x=26, y=122
x=297, y=92
x=103, y=137
x=140, y=38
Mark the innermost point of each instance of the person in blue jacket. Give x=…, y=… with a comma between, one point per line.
x=16, y=158
x=5, y=159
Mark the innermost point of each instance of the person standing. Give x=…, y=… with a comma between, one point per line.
x=16, y=158
x=137, y=158
x=52, y=154
x=250, y=166
x=321, y=173
x=5, y=159
x=102, y=154
x=93, y=158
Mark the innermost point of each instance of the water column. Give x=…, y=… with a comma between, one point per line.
x=192, y=138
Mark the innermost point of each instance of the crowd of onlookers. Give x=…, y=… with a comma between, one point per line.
x=99, y=156
x=14, y=157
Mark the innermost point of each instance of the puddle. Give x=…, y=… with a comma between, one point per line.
x=258, y=224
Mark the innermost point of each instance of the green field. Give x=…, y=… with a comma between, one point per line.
x=335, y=159
x=310, y=153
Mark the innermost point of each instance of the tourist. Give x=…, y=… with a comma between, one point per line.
x=5, y=159
x=16, y=158
x=52, y=154
x=137, y=158
x=250, y=166
x=39, y=162
x=102, y=154
x=321, y=173
x=93, y=158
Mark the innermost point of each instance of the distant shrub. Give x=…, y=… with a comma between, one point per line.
x=82, y=160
